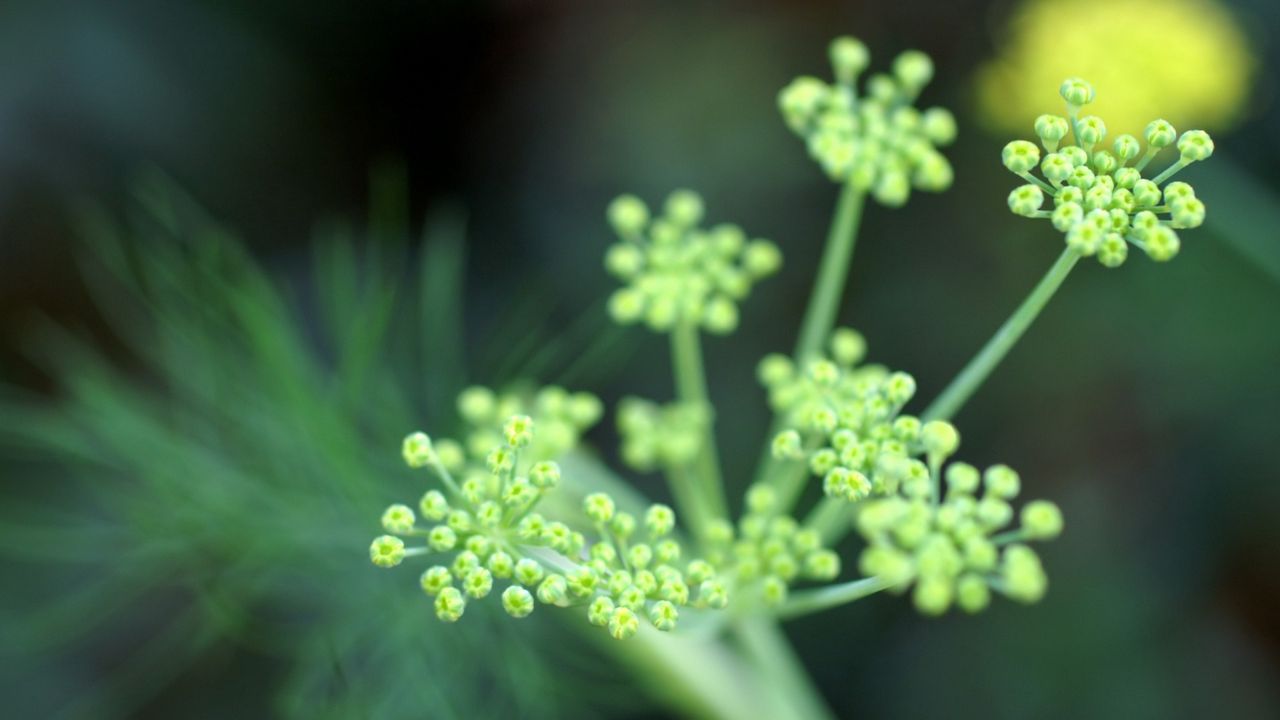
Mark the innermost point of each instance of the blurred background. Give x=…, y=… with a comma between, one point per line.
x=246, y=246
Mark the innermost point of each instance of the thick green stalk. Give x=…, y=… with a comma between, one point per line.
x=820, y=316
x=825, y=598
x=691, y=388
x=972, y=376
x=776, y=663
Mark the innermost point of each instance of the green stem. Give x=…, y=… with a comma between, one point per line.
x=691, y=388
x=776, y=662
x=830, y=518
x=811, y=601
x=820, y=317
x=972, y=376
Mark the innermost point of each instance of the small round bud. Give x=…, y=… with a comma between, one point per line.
x=1113, y=251
x=1160, y=134
x=1057, y=167
x=1104, y=163
x=478, y=583
x=433, y=506
x=939, y=438
x=517, y=601
x=849, y=57
x=398, y=519
x=787, y=446
x=1091, y=130
x=761, y=258
x=1002, y=481
x=1085, y=238
x=435, y=579
x=847, y=346
x=386, y=551
x=893, y=188
x=628, y=214
x=1026, y=200
x=1041, y=520
x=623, y=525
x=545, y=475
x=712, y=594
x=528, y=572
x=721, y=316
x=1162, y=244
x=599, y=507
x=600, y=610
x=624, y=260
x=939, y=125
x=962, y=479
x=913, y=69
x=640, y=555
x=899, y=388
x=553, y=590
x=972, y=594
x=1195, y=145
x=518, y=431
x=1188, y=213
x=664, y=615
x=684, y=208
x=1076, y=91
x=476, y=405
x=463, y=563
x=450, y=604
x=417, y=450
x=822, y=565
x=626, y=306
x=1023, y=574
x=761, y=499
x=1146, y=194
x=1126, y=148
x=659, y=520
x=623, y=623
x=933, y=595
x=1067, y=216
x=1051, y=129
x=1020, y=156
x=773, y=590
x=500, y=564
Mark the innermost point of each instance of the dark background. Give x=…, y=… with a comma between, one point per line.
x=1144, y=400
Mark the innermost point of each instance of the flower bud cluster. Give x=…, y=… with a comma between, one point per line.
x=951, y=551
x=561, y=417
x=660, y=437
x=1102, y=202
x=768, y=552
x=845, y=420
x=488, y=533
x=878, y=142
x=678, y=273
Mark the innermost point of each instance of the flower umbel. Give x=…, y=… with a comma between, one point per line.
x=878, y=142
x=679, y=273
x=1101, y=200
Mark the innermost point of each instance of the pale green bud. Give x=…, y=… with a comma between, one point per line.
x=1041, y=520
x=640, y=555
x=398, y=519
x=972, y=594
x=450, y=604
x=1085, y=238
x=1023, y=574
x=1020, y=156
x=773, y=590
x=1162, y=244
x=684, y=208
x=761, y=258
x=1091, y=130
x=518, y=431
x=787, y=446
x=1126, y=148
x=1002, y=481
x=893, y=187
x=442, y=538
x=1076, y=91
x=664, y=615
x=599, y=507
x=1104, y=163
x=545, y=475
x=435, y=579
x=933, y=595
x=849, y=57
x=528, y=572
x=1057, y=167
x=624, y=260
x=1051, y=129
x=1160, y=134
x=913, y=69
x=553, y=590
x=626, y=306
x=822, y=565
x=464, y=562
x=623, y=623
x=939, y=438
x=1113, y=251
x=623, y=525
x=478, y=583
x=386, y=551
x=1187, y=213
x=517, y=601
x=417, y=450
x=1067, y=216
x=1026, y=200
x=659, y=520
x=476, y=405
x=721, y=316
x=500, y=564
x=1146, y=193
x=1195, y=145
x=600, y=610
x=433, y=506
x=628, y=214
x=489, y=514
x=712, y=594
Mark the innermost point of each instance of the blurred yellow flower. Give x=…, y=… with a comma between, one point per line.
x=1187, y=61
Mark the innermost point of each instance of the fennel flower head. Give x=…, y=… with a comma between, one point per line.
x=1188, y=61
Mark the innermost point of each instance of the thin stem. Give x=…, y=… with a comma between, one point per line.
x=830, y=517
x=776, y=662
x=1170, y=171
x=820, y=316
x=972, y=376
x=691, y=388
x=811, y=601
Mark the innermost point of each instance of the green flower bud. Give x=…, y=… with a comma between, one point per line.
x=799, y=100
x=664, y=615
x=849, y=57
x=624, y=260
x=659, y=520
x=939, y=438
x=773, y=590
x=476, y=405
x=1020, y=156
x=623, y=525
x=398, y=519
x=518, y=431
x=684, y=208
x=640, y=555
x=626, y=306
x=1026, y=200
x=761, y=259
x=721, y=316
x=1187, y=213
x=600, y=610
x=822, y=565
x=528, y=572
x=1023, y=575
x=478, y=583
x=531, y=527
x=1091, y=130
x=939, y=125
x=489, y=514
x=972, y=594
x=1104, y=163
x=500, y=564
x=435, y=579
x=1076, y=91
x=933, y=595
x=775, y=369
x=628, y=215
x=1002, y=481
x=1195, y=145
x=464, y=562
x=1051, y=129
x=500, y=460
x=623, y=623
x=450, y=604
x=1113, y=251
x=913, y=69
x=1161, y=244
x=442, y=538
x=417, y=451
x=1126, y=148
x=893, y=188
x=1146, y=193
x=1160, y=134
x=433, y=506
x=761, y=499
x=599, y=507
x=1041, y=520
x=1067, y=216
x=517, y=601
x=553, y=590
x=712, y=594
x=1085, y=238
x=1056, y=167
x=787, y=446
